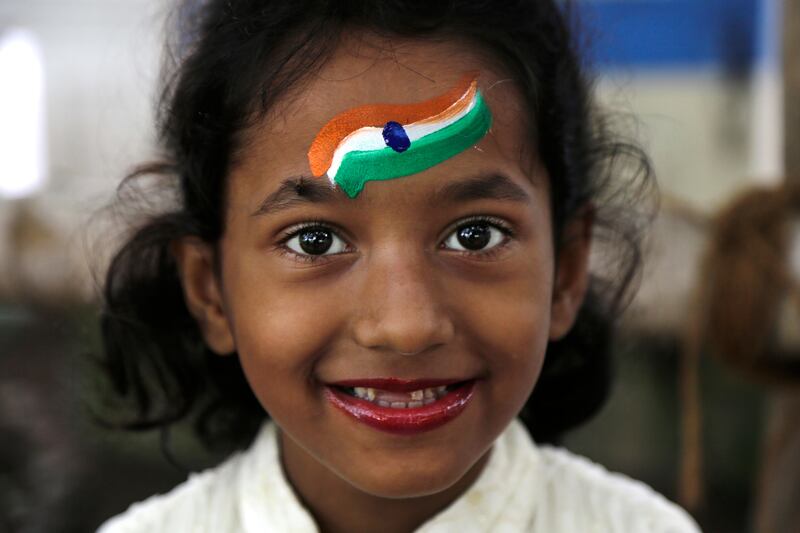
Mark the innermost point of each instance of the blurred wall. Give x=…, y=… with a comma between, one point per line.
x=699, y=85
x=101, y=60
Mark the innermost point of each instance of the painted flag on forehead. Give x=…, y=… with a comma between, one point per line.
x=386, y=141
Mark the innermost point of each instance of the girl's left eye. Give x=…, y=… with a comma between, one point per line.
x=315, y=241
x=476, y=236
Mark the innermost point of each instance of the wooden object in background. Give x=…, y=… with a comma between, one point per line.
x=779, y=491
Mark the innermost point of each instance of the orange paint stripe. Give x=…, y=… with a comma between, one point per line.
x=320, y=154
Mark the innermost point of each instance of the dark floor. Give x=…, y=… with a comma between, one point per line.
x=638, y=431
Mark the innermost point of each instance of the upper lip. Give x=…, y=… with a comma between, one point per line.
x=396, y=384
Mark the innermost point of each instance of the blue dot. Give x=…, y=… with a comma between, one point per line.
x=395, y=137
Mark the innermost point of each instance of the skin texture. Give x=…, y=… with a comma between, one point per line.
x=398, y=301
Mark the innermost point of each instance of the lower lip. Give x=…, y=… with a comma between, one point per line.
x=407, y=421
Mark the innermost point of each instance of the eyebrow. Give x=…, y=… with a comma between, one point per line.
x=297, y=190
x=303, y=190
x=482, y=187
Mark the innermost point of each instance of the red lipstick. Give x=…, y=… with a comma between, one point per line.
x=447, y=404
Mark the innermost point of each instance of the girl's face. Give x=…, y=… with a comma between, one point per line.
x=445, y=276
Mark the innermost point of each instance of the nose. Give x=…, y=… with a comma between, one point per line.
x=400, y=307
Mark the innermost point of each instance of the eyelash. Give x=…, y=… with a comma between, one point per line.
x=495, y=222
x=296, y=230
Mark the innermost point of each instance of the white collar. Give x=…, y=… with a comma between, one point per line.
x=502, y=498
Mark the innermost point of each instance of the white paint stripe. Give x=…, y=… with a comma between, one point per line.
x=421, y=129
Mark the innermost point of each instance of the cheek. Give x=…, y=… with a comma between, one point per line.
x=274, y=318
x=520, y=335
x=509, y=322
x=280, y=330
x=514, y=308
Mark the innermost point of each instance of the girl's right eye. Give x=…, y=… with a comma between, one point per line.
x=315, y=241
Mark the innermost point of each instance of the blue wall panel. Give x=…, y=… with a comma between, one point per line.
x=674, y=33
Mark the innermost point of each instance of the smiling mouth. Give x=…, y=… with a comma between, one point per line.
x=399, y=406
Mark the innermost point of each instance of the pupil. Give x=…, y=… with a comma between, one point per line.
x=474, y=237
x=315, y=241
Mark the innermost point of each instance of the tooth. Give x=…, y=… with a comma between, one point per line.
x=428, y=401
x=370, y=394
x=414, y=404
x=442, y=389
x=429, y=393
x=417, y=395
x=384, y=403
x=399, y=405
x=360, y=392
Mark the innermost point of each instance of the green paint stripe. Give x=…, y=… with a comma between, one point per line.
x=360, y=167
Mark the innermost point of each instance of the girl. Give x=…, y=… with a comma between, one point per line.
x=384, y=223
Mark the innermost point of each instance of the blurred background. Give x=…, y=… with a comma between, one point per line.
x=705, y=407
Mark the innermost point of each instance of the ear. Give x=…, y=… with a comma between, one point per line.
x=572, y=272
x=202, y=291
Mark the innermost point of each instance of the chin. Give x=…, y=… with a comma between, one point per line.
x=411, y=480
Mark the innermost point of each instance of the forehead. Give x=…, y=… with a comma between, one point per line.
x=367, y=69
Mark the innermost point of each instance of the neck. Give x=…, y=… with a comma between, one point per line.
x=339, y=507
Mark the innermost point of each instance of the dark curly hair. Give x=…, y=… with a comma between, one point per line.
x=231, y=62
